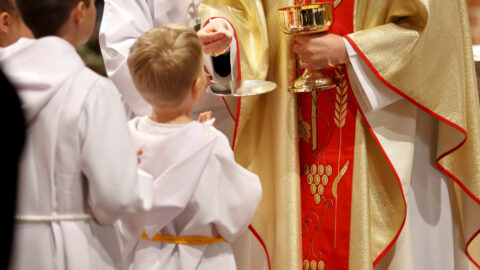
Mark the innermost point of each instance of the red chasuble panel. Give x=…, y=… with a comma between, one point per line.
x=326, y=143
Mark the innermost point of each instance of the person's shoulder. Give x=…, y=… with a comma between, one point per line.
x=100, y=85
x=133, y=124
x=222, y=142
x=101, y=92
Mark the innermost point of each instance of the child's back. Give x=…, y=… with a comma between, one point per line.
x=79, y=165
x=201, y=194
x=203, y=199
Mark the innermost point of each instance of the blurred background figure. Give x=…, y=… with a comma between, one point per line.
x=11, y=29
x=11, y=24
x=90, y=52
x=14, y=140
x=474, y=14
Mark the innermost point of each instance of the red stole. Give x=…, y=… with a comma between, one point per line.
x=326, y=122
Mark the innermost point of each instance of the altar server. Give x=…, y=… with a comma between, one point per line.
x=79, y=170
x=204, y=199
x=230, y=55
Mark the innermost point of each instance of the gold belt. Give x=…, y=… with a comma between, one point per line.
x=184, y=240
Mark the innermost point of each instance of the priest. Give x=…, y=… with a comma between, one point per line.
x=374, y=172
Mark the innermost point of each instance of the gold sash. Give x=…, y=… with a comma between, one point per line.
x=184, y=240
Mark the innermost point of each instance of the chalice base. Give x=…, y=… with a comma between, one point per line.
x=309, y=82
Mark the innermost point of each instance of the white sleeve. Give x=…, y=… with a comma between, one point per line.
x=239, y=192
x=370, y=92
x=123, y=22
x=108, y=159
x=233, y=54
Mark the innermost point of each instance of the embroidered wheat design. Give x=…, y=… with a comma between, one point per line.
x=338, y=178
x=341, y=104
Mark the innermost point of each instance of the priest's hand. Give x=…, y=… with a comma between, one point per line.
x=216, y=38
x=320, y=51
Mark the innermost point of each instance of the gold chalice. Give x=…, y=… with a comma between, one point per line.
x=303, y=20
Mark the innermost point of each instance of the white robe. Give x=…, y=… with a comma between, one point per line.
x=199, y=191
x=124, y=21
x=431, y=238
x=78, y=173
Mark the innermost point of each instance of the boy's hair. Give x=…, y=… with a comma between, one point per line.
x=164, y=62
x=7, y=6
x=46, y=17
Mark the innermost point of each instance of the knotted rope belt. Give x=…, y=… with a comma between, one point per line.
x=184, y=240
x=34, y=218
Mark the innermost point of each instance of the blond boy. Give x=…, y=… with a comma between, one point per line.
x=204, y=199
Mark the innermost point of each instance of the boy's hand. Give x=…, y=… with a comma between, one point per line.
x=320, y=51
x=204, y=117
x=139, y=153
x=216, y=38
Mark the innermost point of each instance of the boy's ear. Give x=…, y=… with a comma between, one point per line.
x=4, y=22
x=78, y=13
x=196, y=87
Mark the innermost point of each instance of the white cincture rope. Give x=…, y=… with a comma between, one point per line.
x=31, y=218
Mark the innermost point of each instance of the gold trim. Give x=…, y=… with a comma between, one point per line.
x=314, y=121
x=337, y=3
x=184, y=240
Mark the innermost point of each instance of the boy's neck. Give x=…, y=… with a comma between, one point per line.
x=69, y=37
x=171, y=115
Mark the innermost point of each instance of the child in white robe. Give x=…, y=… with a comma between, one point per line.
x=204, y=200
x=78, y=173
x=124, y=21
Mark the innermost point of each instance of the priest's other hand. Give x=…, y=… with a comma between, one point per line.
x=216, y=37
x=320, y=51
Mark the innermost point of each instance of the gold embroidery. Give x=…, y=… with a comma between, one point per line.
x=306, y=265
x=304, y=130
x=341, y=97
x=314, y=169
x=317, y=198
x=309, y=179
x=314, y=121
x=321, y=189
x=334, y=192
x=324, y=180
x=321, y=265
x=338, y=178
x=318, y=175
x=317, y=179
x=321, y=169
x=306, y=169
x=337, y=3
x=341, y=105
x=328, y=170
